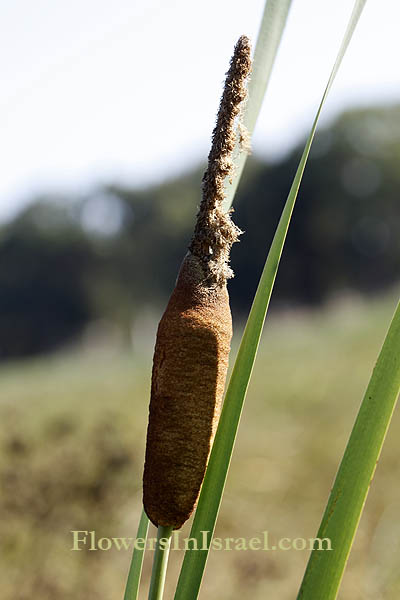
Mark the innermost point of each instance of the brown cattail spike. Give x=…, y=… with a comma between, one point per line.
x=189, y=371
x=215, y=232
x=193, y=338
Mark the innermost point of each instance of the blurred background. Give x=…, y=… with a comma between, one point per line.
x=106, y=117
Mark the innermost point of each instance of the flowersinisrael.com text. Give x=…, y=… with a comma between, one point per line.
x=89, y=540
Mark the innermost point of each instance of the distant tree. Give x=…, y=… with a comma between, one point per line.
x=345, y=234
x=43, y=302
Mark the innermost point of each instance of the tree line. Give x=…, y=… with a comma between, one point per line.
x=67, y=261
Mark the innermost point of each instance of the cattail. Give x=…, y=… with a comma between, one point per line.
x=193, y=338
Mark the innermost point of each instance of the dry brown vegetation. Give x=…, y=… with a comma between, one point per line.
x=72, y=449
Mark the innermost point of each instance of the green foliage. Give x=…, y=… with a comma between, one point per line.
x=135, y=571
x=346, y=501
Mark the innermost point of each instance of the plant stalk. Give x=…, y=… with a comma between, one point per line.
x=132, y=584
x=160, y=562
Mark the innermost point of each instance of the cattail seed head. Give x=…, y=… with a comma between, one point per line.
x=193, y=338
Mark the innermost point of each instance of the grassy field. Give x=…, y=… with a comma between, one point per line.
x=72, y=455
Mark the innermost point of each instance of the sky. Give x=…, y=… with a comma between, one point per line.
x=97, y=91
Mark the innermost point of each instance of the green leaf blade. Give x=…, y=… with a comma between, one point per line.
x=343, y=512
x=135, y=570
x=268, y=40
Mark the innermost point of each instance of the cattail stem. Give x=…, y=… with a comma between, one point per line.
x=160, y=562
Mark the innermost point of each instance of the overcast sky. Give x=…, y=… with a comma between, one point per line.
x=94, y=90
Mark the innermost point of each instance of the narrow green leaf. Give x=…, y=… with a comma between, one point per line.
x=214, y=481
x=268, y=40
x=346, y=501
x=132, y=584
